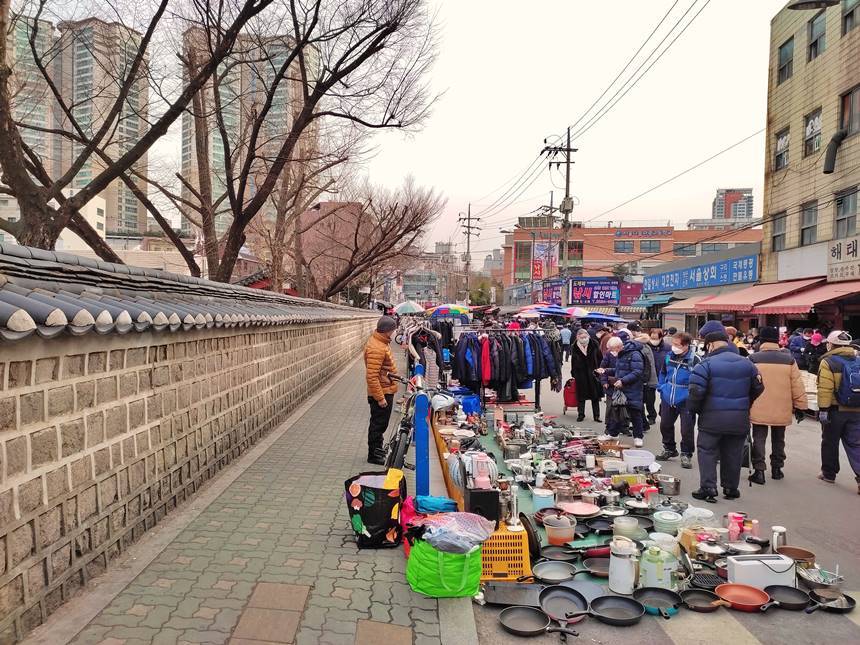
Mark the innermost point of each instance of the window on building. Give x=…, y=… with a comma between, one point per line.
x=786, y=61
x=574, y=250
x=100, y=226
x=713, y=247
x=684, y=249
x=780, y=160
x=809, y=224
x=846, y=214
x=816, y=31
x=100, y=212
x=777, y=240
x=850, y=14
x=812, y=133
x=649, y=246
x=849, y=117
x=522, y=260
x=624, y=246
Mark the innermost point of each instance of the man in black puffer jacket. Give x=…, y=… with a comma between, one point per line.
x=722, y=390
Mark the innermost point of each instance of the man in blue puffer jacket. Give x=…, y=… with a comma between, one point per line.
x=722, y=389
x=629, y=375
x=674, y=389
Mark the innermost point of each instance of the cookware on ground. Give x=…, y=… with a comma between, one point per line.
x=658, y=601
x=557, y=602
x=551, y=572
x=505, y=593
x=802, y=557
x=832, y=601
x=568, y=554
x=598, y=567
x=742, y=597
x=600, y=525
x=532, y=534
x=614, y=610
x=702, y=600
x=786, y=597
x=590, y=590
x=707, y=581
x=529, y=621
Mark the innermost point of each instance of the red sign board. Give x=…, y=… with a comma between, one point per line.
x=630, y=291
x=537, y=270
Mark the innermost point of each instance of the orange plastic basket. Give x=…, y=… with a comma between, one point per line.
x=505, y=556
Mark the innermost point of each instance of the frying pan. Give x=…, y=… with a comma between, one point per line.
x=702, y=600
x=529, y=621
x=786, y=597
x=598, y=567
x=557, y=602
x=590, y=590
x=568, y=554
x=658, y=601
x=600, y=526
x=843, y=604
x=707, y=581
x=614, y=610
x=551, y=572
x=531, y=534
x=645, y=523
x=743, y=597
x=505, y=593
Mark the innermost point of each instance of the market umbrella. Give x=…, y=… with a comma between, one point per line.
x=536, y=305
x=577, y=312
x=449, y=310
x=408, y=307
x=553, y=311
x=533, y=313
x=603, y=317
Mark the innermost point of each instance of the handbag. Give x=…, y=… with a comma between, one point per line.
x=374, y=501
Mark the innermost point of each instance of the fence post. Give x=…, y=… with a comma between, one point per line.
x=421, y=424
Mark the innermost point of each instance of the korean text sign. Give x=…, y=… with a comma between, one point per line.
x=594, y=291
x=734, y=271
x=843, y=260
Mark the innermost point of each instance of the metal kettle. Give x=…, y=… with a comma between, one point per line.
x=778, y=537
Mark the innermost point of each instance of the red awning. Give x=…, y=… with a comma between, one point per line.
x=686, y=306
x=748, y=299
x=803, y=302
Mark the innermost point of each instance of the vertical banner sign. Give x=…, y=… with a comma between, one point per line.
x=537, y=270
x=552, y=291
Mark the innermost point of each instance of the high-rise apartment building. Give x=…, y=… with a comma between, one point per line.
x=733, y=203
x=94, y=57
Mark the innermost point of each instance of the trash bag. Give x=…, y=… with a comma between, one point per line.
x=374, y=501
x=457, y=532
x=437, y=574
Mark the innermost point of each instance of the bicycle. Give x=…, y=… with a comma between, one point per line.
x=401, y=438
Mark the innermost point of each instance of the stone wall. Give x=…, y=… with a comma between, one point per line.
x=102, y=436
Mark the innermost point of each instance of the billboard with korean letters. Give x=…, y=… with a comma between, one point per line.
x=843, y=260
x=714, y=274
x=587, y=292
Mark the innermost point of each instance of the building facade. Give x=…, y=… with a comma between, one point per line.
x=813, y=104
x=733, y=203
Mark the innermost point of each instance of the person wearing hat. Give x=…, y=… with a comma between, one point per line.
x=723, y=388
x=840, y=418
x=378, y=364
x=814, y=350
x=784, y=393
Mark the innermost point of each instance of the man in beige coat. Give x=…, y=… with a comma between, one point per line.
x=784, y=393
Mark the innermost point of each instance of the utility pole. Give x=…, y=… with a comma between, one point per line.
x=469, y=231
x=566, y=207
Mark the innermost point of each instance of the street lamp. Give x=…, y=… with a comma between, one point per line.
x=804, y=5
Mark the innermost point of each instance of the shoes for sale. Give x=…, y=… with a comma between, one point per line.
x=666, y=455
x=706, y=495
x=776, y=473
x=731, y=493
x=825, y=478
x=757, y=477
x=638, y=443
x=686, y=461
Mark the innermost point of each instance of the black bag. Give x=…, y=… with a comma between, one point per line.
x=375, y=512
x=616, y=411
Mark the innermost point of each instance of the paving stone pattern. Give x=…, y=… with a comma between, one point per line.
x=283, y=521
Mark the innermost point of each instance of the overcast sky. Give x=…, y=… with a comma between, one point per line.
x=513, y=76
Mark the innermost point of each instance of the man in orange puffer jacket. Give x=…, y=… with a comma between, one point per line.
x=379, y=363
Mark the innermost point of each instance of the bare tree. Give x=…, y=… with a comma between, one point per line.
x=372, y=233
x=99, y=140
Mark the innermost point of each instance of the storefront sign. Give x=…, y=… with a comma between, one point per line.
x=552, y=291
x=715, y=274
x=537, y=270
x=594, y=291
x=630, y=291
x=843, y=260
x=645, y=232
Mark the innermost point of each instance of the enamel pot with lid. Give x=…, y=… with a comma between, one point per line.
x=710, y=552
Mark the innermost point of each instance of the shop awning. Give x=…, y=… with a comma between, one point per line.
x=631, y=309
x=745, y=300
x=652, y=299
x=803, y=302
x=609, y=311
x=686, y=306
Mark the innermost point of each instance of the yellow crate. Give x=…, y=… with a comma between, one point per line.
x=505, y=556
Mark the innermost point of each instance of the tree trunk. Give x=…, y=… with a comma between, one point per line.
x=233, y=242
x=38, y=224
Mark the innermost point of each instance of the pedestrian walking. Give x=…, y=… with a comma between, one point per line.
x=796, y=344
x=813, y=351
x=784, y=394
x=660, y=350
x=839, y=406
x=624, y=368
x=566, y=335
x=378, y=364
x=674, y=391
x=585, y=358
x=722, y=389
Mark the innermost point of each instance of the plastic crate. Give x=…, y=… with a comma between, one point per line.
x=505, y=556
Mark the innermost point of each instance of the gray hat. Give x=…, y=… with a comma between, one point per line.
x=386, y=324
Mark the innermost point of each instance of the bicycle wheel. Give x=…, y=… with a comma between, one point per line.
x=397, y=452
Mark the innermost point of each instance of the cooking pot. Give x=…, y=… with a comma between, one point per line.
x=803, y=558
x=669, y=485
x=710, y=552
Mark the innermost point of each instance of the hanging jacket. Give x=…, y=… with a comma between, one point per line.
x=486, y=363
x=675, y=377
x=529, y=354
x=722, y=390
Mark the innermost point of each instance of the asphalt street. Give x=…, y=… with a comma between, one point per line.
x=824, y=518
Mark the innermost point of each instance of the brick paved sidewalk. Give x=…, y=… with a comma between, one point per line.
x=273, y=559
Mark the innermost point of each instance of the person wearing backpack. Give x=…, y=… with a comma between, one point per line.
x=839, y=406
x=674, y=389
x=784, y=393
x=722, y=390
